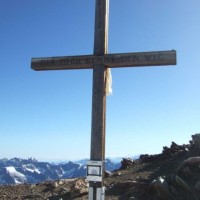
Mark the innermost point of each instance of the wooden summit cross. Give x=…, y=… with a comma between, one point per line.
x=99, y=62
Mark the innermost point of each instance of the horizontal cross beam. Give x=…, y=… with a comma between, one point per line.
x=153, y=58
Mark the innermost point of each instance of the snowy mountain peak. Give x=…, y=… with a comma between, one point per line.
x=15, y=175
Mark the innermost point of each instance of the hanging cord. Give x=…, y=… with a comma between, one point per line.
x=108, y=88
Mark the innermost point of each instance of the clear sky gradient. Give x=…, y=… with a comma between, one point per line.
x=47, y=114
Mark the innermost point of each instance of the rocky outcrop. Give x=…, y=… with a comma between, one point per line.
x=184, y=182
x=167, y=153
x=76, y=189
x=51, y=190
x=127, y=162
x=185, y=185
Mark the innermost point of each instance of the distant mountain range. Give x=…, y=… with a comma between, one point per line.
x=17, y=170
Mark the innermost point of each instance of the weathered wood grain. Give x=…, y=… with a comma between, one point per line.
x=97, y=151
x=141, y=59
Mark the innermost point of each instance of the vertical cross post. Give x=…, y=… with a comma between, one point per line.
x=99, y=96
x=99, y=71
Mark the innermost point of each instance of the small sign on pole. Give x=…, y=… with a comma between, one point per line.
x=95, y=171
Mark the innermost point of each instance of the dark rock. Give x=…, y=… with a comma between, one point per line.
x=65, y=196
x=167, y=153
x=196, y=143
x=127, y=162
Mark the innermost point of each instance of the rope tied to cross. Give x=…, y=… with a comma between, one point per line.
x=108, y=82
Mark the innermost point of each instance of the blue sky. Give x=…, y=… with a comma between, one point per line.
x=47, y=114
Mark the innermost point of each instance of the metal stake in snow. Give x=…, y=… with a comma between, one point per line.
x=99, y=62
